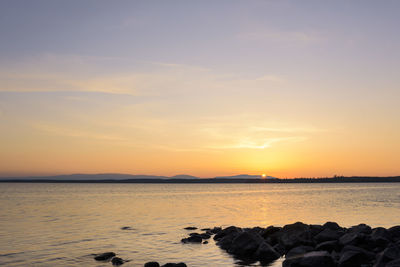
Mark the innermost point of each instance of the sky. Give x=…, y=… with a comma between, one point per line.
x=207, y=88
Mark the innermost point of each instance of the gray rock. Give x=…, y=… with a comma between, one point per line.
x=361, y=228
x=104, y=256
x=311, y=259
x=332, y=226
x=392, y=252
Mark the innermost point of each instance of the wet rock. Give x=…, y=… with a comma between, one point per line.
x=117, y=261
x=205, y=236
x=190, y=228
x=311, y=259
x=297, y=251
x=181, y=264
x=104, y=256
x=205, y=242
x=266, y=253
x=278, y=248
x=205, y=229
x=152, y=264
x=216, y=230
x=227, y=231
x=328, y=235
x=245, y=244
x=328, y=246
x=192, y=239
x=226, y=241
x=126, y=228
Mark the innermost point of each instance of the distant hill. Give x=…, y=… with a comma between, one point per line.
x=245, y=176
x=101, y=176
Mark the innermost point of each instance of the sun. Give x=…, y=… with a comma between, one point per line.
x=263, y=175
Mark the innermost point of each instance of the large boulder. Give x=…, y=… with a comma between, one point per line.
x=332, y=226
x=300, y=250
x=293, y=235
x=391, y=253
x=311, y=259
x=104, y=256
x=328, y=234
x=245, y=244
x=353, y=239
x=368, y=255
x=395, y=232
x=380, y=237
x=353, y=258
x=227, y=231
x=361, y=229
x=226, y=241
x=328, y=246
x=265, y=253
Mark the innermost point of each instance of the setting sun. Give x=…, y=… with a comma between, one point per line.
x=263, y=175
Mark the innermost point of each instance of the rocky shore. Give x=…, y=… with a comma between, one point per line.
x=304, y=245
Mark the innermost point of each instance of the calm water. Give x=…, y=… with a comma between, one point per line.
x=63, y=224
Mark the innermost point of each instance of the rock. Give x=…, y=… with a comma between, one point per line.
x=392, y=252
x=266, y=253
x=278, y=248
x=190, y=228
x=332, y=226
x=226, y=241
x=152, y=264
x=361, y=228
x=353, y=258
x=328, y=235
x=293, y=235
x=352, y=239
x=394, y=263
x=117, y=261
x=297, y=251
x=316, y=229
x=395, y=232
x=192, y=239
x=181, y=264
x=205, y=236
x=245, y=244
x=227, y=231
x=205, y=242
x=205, y=229
x=216, y=230
x=311, y=259
x=126, y=228
x=272, y=234
x=328, y=246
x=366, y=254
x=104, y=256
x=380, y=237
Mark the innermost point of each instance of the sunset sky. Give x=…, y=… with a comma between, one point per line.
x=207, y=88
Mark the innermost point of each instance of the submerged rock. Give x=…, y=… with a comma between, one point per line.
x=190, y=228
x=117, y=261
x=152, y=264
x=181, y=264
x=104, y=256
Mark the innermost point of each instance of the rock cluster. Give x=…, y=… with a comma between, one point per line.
x=106, y=256
x=306, y=245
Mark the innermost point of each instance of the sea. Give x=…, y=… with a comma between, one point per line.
x=64, y=224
